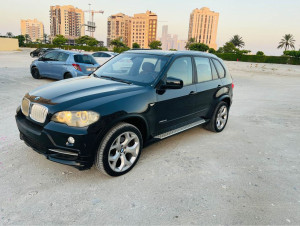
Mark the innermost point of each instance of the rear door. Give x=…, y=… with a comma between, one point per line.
x=59, y=66
x=208, y=83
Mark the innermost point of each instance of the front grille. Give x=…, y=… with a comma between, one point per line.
x=25, y=106
x=38, y=113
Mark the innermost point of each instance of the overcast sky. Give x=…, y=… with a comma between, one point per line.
x=261, y=23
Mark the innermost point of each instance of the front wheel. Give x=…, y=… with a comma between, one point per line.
x=35, y=73
x=219, y=119
x=119, y=150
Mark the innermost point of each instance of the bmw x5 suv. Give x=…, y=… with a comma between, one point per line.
x=137, y=97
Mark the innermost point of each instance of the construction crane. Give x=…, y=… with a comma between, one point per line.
x=91, y=26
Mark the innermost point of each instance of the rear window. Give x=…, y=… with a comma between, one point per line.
x=220, y=68
x=84, y=59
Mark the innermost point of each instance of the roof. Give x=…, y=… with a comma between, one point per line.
x=72, y=52
x=172, y=53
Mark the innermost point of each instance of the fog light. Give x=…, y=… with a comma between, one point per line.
x=71, y=140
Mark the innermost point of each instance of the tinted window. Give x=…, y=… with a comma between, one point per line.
x=62, y=57
x=136, y=68
x=84, y=59
x=182, y=69
x=105, y=55
x=220, y=68
x=214, y=71
x=51, y=56
x=204, y=73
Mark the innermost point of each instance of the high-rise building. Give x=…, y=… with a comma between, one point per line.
x=203, y=26
x=169, y=42
x=119, y=26
x=67, y=21
x=143, y=29
x=33, y=28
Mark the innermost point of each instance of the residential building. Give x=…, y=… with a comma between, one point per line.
x=143, y=29
x=164, y=37
x=33, y=28
x=203, y=26
x=119, y=26
x=67, y=21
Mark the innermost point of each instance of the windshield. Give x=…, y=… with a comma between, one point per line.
x=136, y=68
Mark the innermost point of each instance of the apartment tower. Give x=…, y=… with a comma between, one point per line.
x=203, y=26
x=33, y=28
x=67, y=21
x=119, y=26
x=143, y=29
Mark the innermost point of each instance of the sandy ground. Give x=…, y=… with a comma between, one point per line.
x=249, y=174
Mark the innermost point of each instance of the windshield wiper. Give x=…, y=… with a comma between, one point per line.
x=115, y=79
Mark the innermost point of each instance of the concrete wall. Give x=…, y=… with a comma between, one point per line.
x=9, y=44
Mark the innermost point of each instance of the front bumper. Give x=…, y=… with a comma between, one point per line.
x=51, y=141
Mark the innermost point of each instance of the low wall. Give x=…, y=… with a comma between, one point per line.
x=9, y=44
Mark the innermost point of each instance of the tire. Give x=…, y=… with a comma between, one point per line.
x=219, y=119
x=123, y=154
x=35, y=73
x=68, y=75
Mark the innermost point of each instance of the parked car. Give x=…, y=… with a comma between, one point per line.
x=103, y=57
x=61, y=64
x=136, y=98
x=35, y=53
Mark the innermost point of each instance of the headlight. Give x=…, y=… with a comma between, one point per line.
x=76, y=118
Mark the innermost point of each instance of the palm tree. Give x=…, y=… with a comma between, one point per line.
x=237, y=41
x=45, y=38
x=287, y=42
x=9, y=34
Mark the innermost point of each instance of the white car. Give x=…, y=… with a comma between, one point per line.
x=102, y=57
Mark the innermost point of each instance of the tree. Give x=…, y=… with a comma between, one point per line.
x=117, y=43
x=9, y=34
x=229, y=47
x=172, y=49
x=59, y=40
x=199, y=47
x=189, y=42
x=155, y=44
x=86, y=40
x=27, y=38
x=121, y=49
x=212, y=50
x=260, y=53
x=136, y=46
x=45, y=36
x=92, y=42
x=21, y=39
x=220, y=50
x=287, y=42
x=237, y=41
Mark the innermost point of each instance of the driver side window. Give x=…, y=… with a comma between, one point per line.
x=182, y=69
x=52, y=56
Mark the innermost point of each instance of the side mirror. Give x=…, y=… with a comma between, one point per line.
x=173, y=83
x=41, y=59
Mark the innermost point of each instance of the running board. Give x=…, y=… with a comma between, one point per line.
x=180, y=129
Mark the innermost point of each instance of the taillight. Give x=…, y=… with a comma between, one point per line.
x=77, y=67
x=232, y=85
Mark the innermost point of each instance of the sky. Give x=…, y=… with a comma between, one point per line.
x=261, y=23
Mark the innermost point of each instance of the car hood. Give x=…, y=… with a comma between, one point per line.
x=79, y=90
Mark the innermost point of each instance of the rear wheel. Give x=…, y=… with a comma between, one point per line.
x=68, y=75
x=220, y=117
x=119, y=150
x=35, y=73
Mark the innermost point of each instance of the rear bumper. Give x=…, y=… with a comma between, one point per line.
x=51, y=141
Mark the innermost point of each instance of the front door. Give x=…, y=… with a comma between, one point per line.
x=177, y=106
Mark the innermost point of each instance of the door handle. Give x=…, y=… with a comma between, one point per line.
x=193, y=92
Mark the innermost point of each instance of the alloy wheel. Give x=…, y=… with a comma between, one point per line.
x=222, y=117
x=124, y=152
